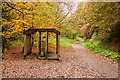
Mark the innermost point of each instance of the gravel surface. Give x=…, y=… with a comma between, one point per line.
x=78, y=62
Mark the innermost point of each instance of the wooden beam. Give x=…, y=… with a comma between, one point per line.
x=30, y=31
x=46, y=45
x=57, y=43
x=39, y=43
x=37, y=49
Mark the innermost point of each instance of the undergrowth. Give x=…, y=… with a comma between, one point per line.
x=15, y=43
x=99, y=48
x=66, y=41
x=63, y=42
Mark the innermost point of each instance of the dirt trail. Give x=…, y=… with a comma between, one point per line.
x=98, y=63
x=78, y=62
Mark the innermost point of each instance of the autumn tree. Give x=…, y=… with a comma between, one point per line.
x=20, y=16
x=100, y=15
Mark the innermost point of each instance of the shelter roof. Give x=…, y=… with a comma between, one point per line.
x=31, y=31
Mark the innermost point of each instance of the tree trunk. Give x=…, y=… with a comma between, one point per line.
x=3, y=44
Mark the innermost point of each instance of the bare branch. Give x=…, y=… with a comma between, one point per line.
x=13, y=7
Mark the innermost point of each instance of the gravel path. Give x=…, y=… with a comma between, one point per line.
x=78, y=62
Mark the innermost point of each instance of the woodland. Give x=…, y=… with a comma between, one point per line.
x=95, y=24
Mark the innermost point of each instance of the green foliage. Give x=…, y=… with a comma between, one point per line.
x=42, y=54
x=99, y=48
x=15, y=43
x=63, y=42
x=115, y=32
x=103, y=18
x=35, y=44
x=20, y=16
x=70, y=34
x=2, y=55
x=77, y=39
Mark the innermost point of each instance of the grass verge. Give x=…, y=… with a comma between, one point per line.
x=63, y=42
x=99, y=48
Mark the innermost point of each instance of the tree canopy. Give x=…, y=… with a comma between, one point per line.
x=103, y=19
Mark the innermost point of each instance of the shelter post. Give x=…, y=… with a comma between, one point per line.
x=27, y=44
x=46, y=45
x=57, y=43
x=39, y=43
x=37, y=49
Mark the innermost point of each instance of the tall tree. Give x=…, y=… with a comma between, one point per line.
x=20, y=16
x=100, y=15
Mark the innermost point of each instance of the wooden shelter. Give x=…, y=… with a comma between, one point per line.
x=28, y=46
